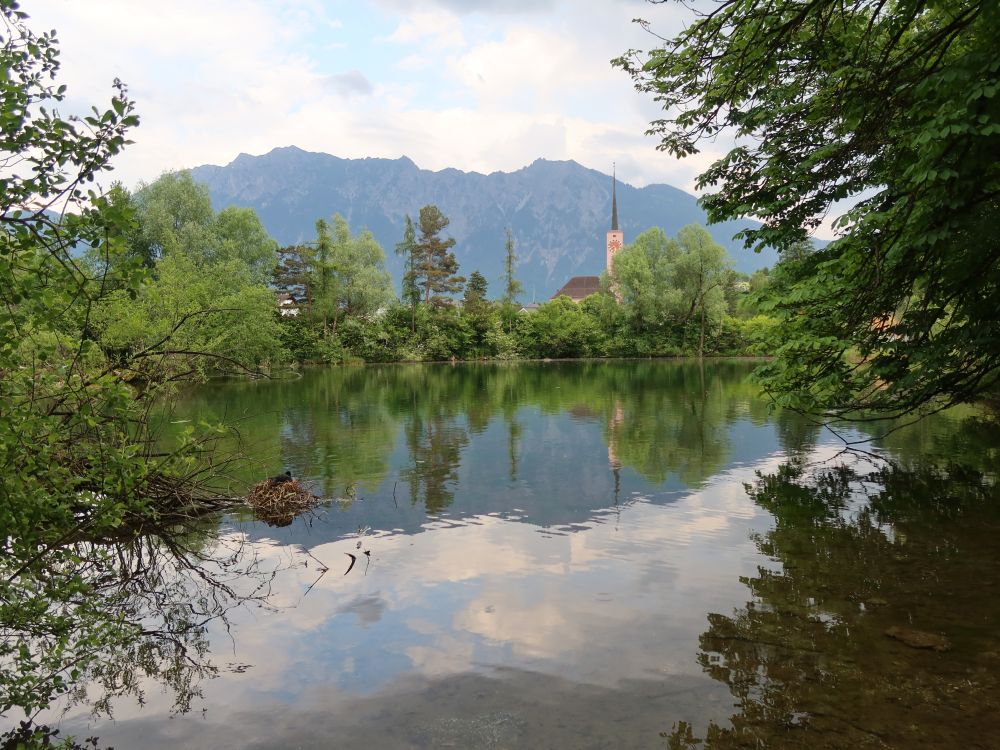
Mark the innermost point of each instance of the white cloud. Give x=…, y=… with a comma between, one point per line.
x=448, y=89
x=500, y=7
x=413, y=62
x=546, y=65
x=434, y=27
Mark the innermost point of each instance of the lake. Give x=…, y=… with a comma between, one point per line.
x=576, y=555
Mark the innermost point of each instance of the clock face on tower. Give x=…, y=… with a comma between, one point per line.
x=614, y=244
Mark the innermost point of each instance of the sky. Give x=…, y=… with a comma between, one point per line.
x=479, y=85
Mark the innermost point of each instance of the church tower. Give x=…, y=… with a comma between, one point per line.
x=616, y=238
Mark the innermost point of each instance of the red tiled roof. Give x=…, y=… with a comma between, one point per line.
x=579, y=287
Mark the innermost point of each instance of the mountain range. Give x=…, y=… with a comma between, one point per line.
x=558, y=211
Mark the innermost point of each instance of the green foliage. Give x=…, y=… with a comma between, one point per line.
x=894, y=105
x=665, y=283
x=323, y=282
x=81, y=466
x=206, y=308
x=215, y=321
x=300, y=339
x=410, y=291
x=67, y=455
x=759, y=280
x=445, y=336
x=71, y=435
x=30, y=736
x=176, y=212
x=512, y=287
x=174, y=216
x=242, y=238
x=659, y=315
x=435, y=265
x=121, y=264
x=475, y=292
x=613, y=321
x=349, y=276
x=701, y=273
x=757, y=335
x=480, y=317
x=399, y=328
x=560, y=328
x=643, y=275
x=498, y=343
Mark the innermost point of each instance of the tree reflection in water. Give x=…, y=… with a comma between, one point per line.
x=133, y=611
x=340, y=426
x=435, y=449
x=858, y=550
x=855, y=550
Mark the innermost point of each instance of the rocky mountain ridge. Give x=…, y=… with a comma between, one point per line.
x=558, y=211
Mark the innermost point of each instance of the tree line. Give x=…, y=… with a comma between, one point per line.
x=663, y=297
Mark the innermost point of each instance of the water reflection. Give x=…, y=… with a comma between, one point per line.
x=435, y=448
x=573, y=439
x=567, y=555
x=135, y=614
x=857, y=554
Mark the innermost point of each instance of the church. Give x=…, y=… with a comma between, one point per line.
x=579, y=287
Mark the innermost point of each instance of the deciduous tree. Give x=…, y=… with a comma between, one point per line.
x=700, y=274
x=76, y=453
x=664, y=283
x=891, y=105
x=642, y=276
x=349, y=273
x=174, y=215
x=242, y=238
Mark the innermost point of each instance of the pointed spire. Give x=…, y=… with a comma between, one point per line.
x=614, y=200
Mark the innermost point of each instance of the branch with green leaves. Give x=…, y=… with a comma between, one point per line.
x=892, y=106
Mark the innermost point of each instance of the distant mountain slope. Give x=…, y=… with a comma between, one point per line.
x=559, y=211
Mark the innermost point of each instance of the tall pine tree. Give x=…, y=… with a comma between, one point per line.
x=410, y=291
x=323, y=275
x=435, y=265
x=512, y=287
x=475, y=292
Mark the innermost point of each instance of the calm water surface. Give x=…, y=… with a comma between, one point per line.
x=587, y=555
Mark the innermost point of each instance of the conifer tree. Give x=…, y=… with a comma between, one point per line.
x=513, y=287
x=435, y=265
x=323, y=274
x=475, y=292
x=410, y=291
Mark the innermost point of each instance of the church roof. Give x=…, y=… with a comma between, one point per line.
x=579, y=287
